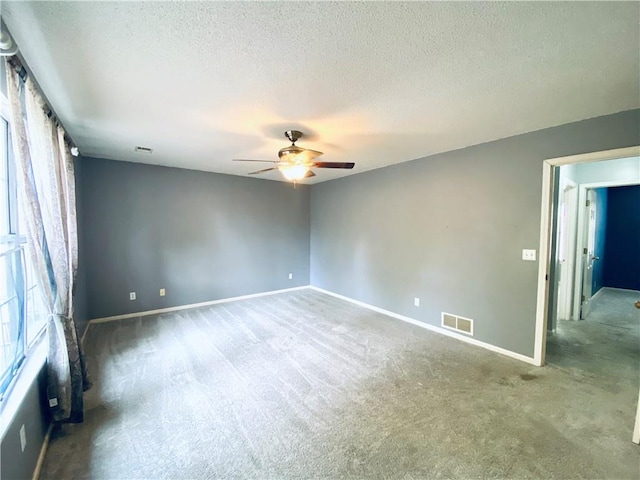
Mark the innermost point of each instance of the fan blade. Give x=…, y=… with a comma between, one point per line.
x=309, y=174
x=246, y=160
x=348, y=165
x=263, y=170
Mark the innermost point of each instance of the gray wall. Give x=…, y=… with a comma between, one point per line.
x=15, y=464
x=201, y=236
x=80, y=306
x=450, y=229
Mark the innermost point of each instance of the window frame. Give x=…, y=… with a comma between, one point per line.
x=33, y=347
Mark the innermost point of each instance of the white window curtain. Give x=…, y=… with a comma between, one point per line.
x=46, y=194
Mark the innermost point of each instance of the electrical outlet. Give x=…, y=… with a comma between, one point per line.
x=23, y=438
x=132, y=295
x=416, y=302
x=529, y=255
x=290, y=276
x=162, y=292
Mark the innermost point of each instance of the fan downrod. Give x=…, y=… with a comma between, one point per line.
x=293, y=136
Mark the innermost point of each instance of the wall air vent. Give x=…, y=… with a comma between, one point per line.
x=457, y=323
x=140, y=149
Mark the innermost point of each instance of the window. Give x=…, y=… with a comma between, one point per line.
x=22, y=311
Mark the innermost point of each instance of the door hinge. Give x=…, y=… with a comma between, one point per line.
x=585, y=251
x=546, y=277
x=588, y=202
x=583, y=298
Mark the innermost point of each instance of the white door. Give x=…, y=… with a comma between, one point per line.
x=567, y=220
x=588, y=253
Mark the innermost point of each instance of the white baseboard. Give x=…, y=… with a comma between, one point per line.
x=389, y=313
x=43, y=452
x=186, y=307
x=594, y=296
x=84, y=334
x=433, y=328
x=636, y=427
x=616, y=289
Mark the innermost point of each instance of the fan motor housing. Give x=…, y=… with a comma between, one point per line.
x=293, y=135
x=290, y=150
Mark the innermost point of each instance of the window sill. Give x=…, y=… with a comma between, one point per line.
x=26, y=377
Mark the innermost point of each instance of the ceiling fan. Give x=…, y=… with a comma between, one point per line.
x=295, y=163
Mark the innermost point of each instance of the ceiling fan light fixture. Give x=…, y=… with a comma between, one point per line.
x=290, y=153
x=294, y=172
x=295, y=163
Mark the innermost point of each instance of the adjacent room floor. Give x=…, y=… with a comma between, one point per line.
x=304, y=385
x=605, y=346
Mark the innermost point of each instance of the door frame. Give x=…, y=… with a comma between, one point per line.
x=546, y=217
x=542, y=301
x=636, y=428
x=582, y=219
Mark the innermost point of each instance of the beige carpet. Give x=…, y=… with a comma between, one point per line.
x=303, y=385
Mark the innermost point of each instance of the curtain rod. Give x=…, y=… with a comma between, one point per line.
x=21, y=70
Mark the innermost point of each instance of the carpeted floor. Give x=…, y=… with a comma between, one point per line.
x=605, y=346
x=304, y=385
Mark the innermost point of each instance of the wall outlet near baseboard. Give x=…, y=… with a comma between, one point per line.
x=528, y=255
x=416, y=302
x=162, y=292
x=291, y=276
x=23, y=438
x=132, y=295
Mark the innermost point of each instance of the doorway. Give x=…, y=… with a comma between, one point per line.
x=594, y=329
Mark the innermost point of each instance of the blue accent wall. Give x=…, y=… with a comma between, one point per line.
x=597, y=281
x=622, y=251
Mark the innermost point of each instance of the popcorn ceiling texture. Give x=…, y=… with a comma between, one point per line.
x=374, y=83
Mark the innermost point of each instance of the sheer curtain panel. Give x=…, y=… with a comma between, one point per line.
x=46, y=195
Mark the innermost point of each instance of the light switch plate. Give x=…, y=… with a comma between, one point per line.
x=529, y=255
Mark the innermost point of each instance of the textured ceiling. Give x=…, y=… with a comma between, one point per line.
x=373, y=83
